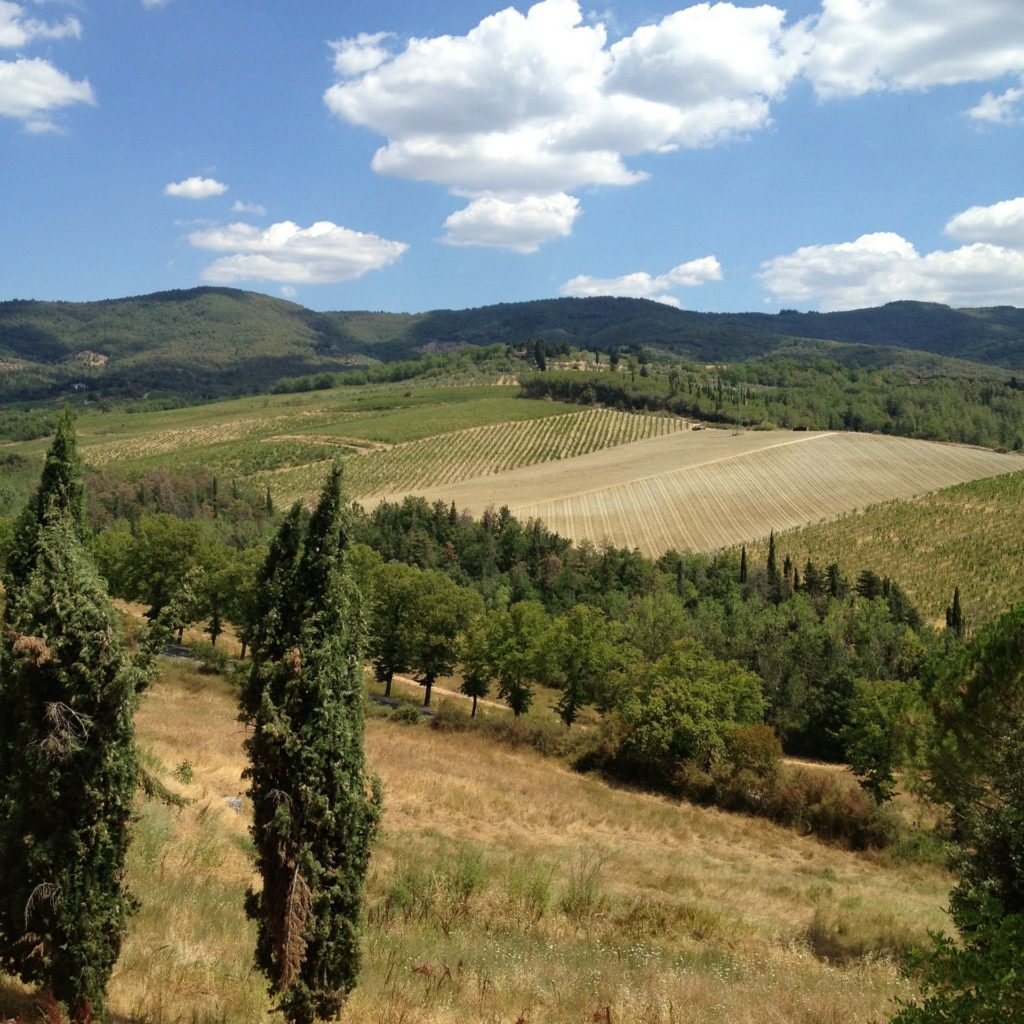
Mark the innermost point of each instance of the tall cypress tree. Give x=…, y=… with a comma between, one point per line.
x=68, y=768
x=60, y=492
x=315, y=807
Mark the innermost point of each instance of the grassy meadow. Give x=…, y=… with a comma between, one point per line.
x=507, y=888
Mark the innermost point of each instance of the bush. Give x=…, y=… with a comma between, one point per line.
x=405, y=714
x=450, y=717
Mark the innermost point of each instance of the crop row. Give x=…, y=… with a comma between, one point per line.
x=499, y=447
x=742, y=498
x=479, y=451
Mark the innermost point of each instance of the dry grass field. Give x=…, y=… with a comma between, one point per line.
x=714, y=488
x=506, y=888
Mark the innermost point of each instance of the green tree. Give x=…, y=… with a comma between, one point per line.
x=682, y=709
x=393, y=607
x=882, y=715
x=60, y=491
x=315, y=808
x=475, y=657
x=442, y=610
x=515, y=638
x=955, y=615
x=582, y=652
x=68, y=767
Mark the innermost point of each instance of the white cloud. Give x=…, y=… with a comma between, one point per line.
x=323, y=253
x=195, y=188
x=884, y=267
x=642, y=285
x=288, y=291
x=16, y=30
x=360, y=54
x=522, y=225
x=155, y=3
x=859, y=46
x=31, y=88
x=537, y=104
x=1001, y=224
x=1001, y=109
x=256, y=209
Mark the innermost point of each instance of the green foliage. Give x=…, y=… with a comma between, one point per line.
x=682, y=709
x=515, y=652
x=442, y=610
x=315, y=808
x=582, y=651
x=393, y=588
x=68, y=691
x=883, y=715
x=61, y=493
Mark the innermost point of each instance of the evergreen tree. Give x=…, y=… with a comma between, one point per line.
x=315, y=808
x=60, y=492
x=955, y=615
x=68, y=767
x=743, y=564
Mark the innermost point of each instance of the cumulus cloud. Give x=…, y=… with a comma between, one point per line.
x=854, y=46
x=642, y=285
x=522, y=225
x=1001, y=224
x=195, y=188
x=31, y=87
x=256, y=209
x=884, y=267
x=323, y=253
x=1002, y=109
x=359, y=54
x=17, y=29
x=534, y=105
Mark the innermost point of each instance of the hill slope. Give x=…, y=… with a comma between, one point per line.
x=206, y=342
x=717, y=488
x=506, y=887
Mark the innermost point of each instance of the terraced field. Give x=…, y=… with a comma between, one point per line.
x=446, y=459
x=702, y=491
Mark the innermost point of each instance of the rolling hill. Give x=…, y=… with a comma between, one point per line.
x=208, y=342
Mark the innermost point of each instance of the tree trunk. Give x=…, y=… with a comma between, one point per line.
x=428, y=684
x=473, y=712
x=387, y=684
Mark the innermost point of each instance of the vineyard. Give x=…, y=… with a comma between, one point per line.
x=450, y=458
x=968, y=536
x=715, y=489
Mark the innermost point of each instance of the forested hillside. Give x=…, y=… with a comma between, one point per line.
x=208, y=342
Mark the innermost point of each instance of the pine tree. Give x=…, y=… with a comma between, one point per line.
x=68, y=767
x=315, y=809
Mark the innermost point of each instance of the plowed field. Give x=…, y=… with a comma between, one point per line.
x=713, y=488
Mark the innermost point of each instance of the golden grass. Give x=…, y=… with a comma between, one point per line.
x=714, y=488
x=507, y=888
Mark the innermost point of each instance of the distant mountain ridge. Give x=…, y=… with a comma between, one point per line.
x=208, y=342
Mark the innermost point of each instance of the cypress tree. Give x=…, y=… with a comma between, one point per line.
x=955, y=615
x=60, y=492
x=68, y=767
x=315, y=808
x=743, y=564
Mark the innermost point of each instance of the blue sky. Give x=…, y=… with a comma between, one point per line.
x=410, y=156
